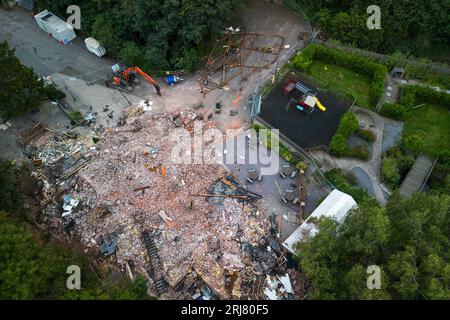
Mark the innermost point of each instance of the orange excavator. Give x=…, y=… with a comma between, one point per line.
x=130, y=76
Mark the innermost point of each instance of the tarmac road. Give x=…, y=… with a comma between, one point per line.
x=38, y=50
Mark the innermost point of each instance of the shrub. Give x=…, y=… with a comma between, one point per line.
x=390, y=172
x=359, y=152
x=285, y=153
x=301, y=165
x=256, y=127
x=339, y=180
x=187, y=60
x=368, y=135
x=76, y=116
x=304, y=59
x=54, y=94
x=131, y=54
x=394, y=111
x=414, y=143
x=414, y=94
x=348, y=124
x=395, y=166
x=338, y=145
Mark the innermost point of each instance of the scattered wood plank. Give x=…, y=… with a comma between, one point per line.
x=141, y=188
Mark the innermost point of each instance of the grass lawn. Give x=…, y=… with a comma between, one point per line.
x=432, y=123
x=343, y=80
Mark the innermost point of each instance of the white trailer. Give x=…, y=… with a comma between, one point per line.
x=95, y=47
x=55, y=26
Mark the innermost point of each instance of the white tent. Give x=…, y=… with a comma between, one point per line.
x=335, y=206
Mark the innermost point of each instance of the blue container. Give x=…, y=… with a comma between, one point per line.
x=170, y=80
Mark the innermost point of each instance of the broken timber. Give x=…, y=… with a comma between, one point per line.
x=155, y=263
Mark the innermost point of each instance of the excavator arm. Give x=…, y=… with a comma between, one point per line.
x=137, y=70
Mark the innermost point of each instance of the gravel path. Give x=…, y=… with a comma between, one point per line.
x=392, y=134
x=364, y=180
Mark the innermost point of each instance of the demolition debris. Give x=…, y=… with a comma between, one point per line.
x=193, y=231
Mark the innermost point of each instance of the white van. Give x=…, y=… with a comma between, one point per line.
x=55, y=26
x=95, y=47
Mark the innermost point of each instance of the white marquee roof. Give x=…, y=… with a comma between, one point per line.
x=335, y=206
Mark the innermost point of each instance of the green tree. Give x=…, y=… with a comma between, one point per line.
x=156, y=34
x=404, y=274
x=319, y=260
x=338, y=145
x=20, y=88
x=405, y=26
x=31, y=268
x=389, y=171
x=131, y=54
x=348, y=124
x=408, y=240
x=8, y=195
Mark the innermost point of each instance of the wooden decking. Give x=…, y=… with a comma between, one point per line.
x=417, y=176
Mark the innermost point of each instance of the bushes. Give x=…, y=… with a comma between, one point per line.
x=338, y=146
x=187, y=60
x=76, y=116
x=359, y=152
x=54, y=94
x=156, y=35
x=291, y=157
x=394, y=111
x=341, y=182
x=367, y=135
x=304, y=59
x=414, y=142
x=20, y=88
x=350, y=61
x=395, y=166
x=347, y=126
x=414, y=94
x=389, y=171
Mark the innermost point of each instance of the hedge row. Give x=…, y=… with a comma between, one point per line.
x=395, y=166
x=414, y=94
x=367, y=135
x=394, y=111
x=350, y=61
x=347, y=126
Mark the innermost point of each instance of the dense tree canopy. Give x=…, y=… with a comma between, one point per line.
x=20, y=88
x=30, y=268
x=155, y=34
x=408, y=26
x=409, y=240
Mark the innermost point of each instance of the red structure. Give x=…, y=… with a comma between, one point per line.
x=289, y=87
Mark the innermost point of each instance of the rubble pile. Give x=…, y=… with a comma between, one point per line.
x=118, y=191
x=80, y=140
x=130, y=187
